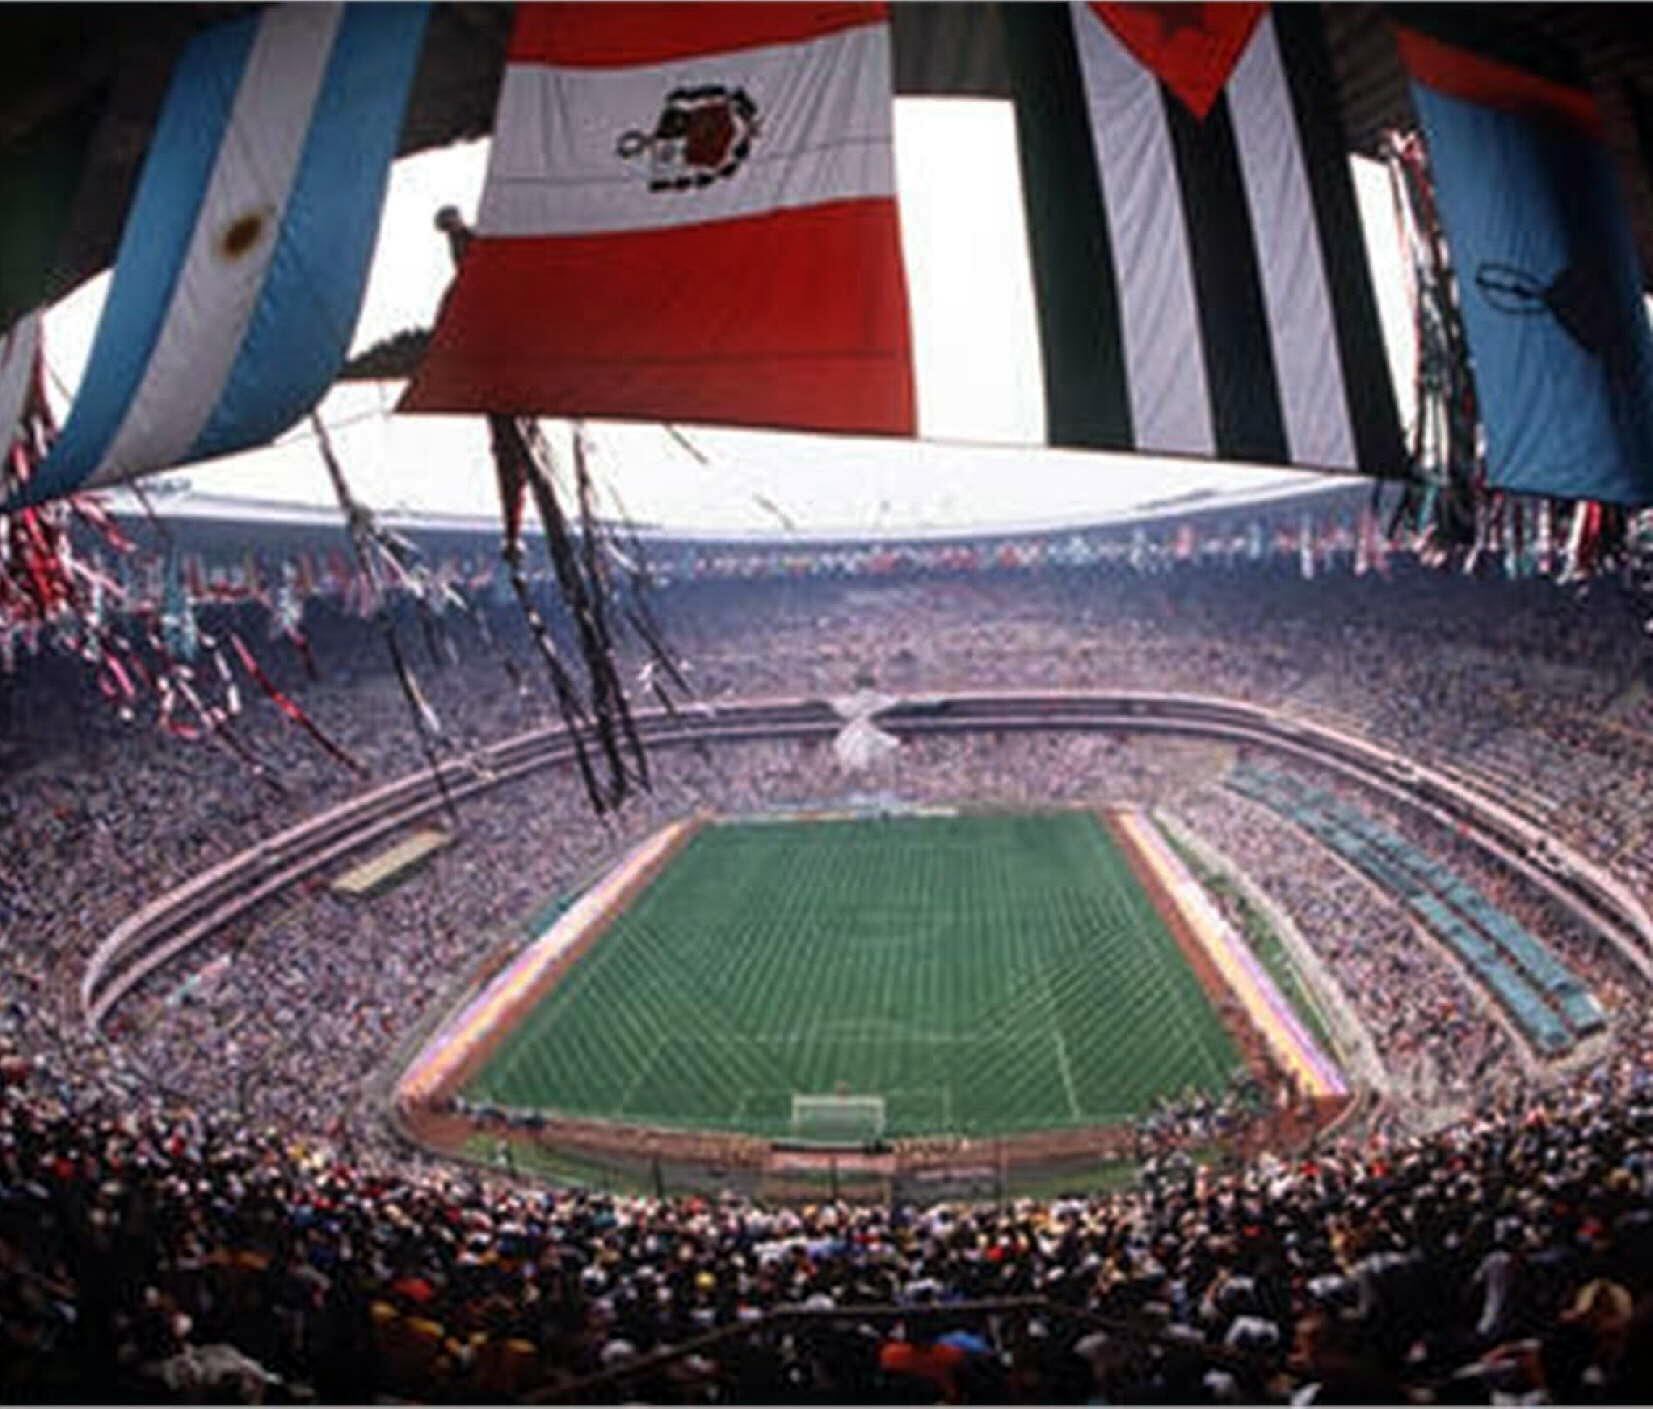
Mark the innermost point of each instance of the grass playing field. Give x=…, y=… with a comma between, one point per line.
x=985, y=975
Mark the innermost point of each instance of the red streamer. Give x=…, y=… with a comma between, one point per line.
x=289, y=707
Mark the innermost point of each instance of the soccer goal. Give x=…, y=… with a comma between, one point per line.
x=837, y=1120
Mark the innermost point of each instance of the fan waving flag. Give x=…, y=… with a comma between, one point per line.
x=241, y=270
x=1548, y=277
x=1198, y=257
x=689, y=216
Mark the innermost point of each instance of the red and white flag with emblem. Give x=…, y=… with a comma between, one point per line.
x=689, y=216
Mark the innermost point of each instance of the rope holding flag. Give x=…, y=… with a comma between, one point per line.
x=610, y=691
x=522, y=467
x=578, y=595
x=363, y=532
x=510, y=449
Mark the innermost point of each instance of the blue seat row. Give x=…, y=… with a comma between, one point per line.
x=1507, y=957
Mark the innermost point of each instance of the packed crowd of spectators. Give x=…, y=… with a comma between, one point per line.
x=215, y=1148
x=1437, y=1034
x=103, y=818
x=1602, y=968
x=150, y=1250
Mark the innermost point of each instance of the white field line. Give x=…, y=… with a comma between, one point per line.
x=1062, y=1064
x=642, y=1071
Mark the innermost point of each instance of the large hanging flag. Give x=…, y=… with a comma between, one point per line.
x=241, y=270
x=1198, y=256
x=689, y=216
x=1547, y=274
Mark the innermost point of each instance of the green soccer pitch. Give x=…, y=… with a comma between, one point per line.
x=986, y=975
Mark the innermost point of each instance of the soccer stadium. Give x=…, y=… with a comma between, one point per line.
x=937, y=961
x=597, y=806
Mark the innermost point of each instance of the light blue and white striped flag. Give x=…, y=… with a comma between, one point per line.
x=241, y=270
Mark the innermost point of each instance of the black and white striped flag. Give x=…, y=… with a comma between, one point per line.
x=1201, y=274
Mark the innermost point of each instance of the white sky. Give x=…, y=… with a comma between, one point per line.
x=975, y=345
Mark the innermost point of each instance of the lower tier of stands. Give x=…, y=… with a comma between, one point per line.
x=1544, y=998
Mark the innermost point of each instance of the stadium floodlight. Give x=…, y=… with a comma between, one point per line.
x=837, y=1120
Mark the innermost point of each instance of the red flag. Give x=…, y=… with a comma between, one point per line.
x=689, y=216
x=1191, y=47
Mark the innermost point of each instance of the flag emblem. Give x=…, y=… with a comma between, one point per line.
x=1193, y=47
x=242, y=235
x=1580, y=298
x=703, y=135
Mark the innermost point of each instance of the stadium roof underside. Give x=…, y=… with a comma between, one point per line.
x=83, y=85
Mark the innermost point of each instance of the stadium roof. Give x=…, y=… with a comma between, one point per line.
x=81, y=86
x=234, y=524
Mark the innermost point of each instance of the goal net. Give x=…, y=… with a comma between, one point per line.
x=837, y=1120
